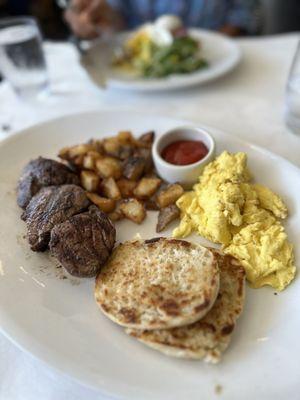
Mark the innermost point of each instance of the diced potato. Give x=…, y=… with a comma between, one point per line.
x=77, y=161
x=133, y=168
x=146, y=187
x=126, y=187
x=88, y=161
x=117, y=214
x=146, y=140
x=89, y=180
x=125, y=137
x=146, y=155
x=169, y=195
x=166, y=216
x=112, y=146
x=151, y=205
x=110, y=189
x=96, y=145
x=125, y=151
x=109, y=167
x=64, y=153
x=105, y=205
x=95, y=154
x=134, y=210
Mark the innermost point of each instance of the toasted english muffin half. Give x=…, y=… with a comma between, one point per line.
x=207, y=338
x=158, y=283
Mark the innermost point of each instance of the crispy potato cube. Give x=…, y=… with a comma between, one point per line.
x=146, y=140
x=126, y=151
x=88, y=161
x=77, y=161
x=79, y=150
x=112, y=146
x=146, y=187
x=125, y=137
x=89, y=180
x=169, y=195
x=109, y=167
x=166, y=216
x=96, y=145
x=146, y=155
x=117, y=214
x=64, y=153
x=126, y=187
x=134, y=210
x=147, y=137
x=133, y=168
x=71, y=153
x=105, y=205
x=151, y=205
x=110, y=189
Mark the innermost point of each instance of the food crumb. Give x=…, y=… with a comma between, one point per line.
x=275, y=294
x=218, y=389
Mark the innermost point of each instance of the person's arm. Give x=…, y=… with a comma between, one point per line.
x=243, y=17
x=88, y=19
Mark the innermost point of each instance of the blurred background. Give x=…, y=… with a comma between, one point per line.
x=274, y=16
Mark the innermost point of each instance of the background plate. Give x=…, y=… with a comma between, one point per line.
x=58, y=321
x=223, y=54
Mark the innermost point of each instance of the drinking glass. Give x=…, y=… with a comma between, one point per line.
x=22, y=60
x=292, y=101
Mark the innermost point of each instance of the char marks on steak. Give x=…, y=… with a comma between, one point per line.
x=50, y=206
x=42, y=172
x=83, y=243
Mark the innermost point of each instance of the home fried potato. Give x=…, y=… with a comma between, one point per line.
x=146, y=187
x=109, y=167
x=112, y=146
x=118, y=174
x=166, y=216
x=134, y=210
x=147, y=138
x=105, y=205
x=89, y=180
x=125, y=137
x=134, y=168
x=116, y=214
x=110, y=189
x=126, y=187
x=169, y=195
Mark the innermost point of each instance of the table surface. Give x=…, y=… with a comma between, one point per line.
x=248, y=103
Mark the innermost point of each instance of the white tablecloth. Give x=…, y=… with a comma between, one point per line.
x=249, y=103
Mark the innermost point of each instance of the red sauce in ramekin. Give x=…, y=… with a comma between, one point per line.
x=184, y=152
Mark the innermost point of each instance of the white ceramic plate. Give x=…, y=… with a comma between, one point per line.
x=58, y=321
x=222, y=53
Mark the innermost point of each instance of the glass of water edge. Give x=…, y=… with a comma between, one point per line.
x=22, y=61
x=292, y=96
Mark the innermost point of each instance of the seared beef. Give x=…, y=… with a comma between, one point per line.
x=84, y=242
x=50, y=206
x=42, y=172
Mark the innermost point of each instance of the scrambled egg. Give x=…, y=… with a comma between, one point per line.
x=226, y=208
x=140, y=47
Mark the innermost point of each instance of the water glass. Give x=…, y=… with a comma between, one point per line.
x=292, y=101
x=22, y=61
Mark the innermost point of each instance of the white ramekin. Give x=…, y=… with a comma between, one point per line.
x=187, y=175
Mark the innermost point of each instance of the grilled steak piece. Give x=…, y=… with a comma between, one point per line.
x=42, y=172
x=50, y=206
x=83, y=243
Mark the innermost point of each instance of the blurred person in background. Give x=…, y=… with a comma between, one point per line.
x=88, y=18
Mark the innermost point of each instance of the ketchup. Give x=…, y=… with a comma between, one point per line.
x=184, y=152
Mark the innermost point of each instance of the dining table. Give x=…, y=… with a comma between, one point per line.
x=248, y=102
